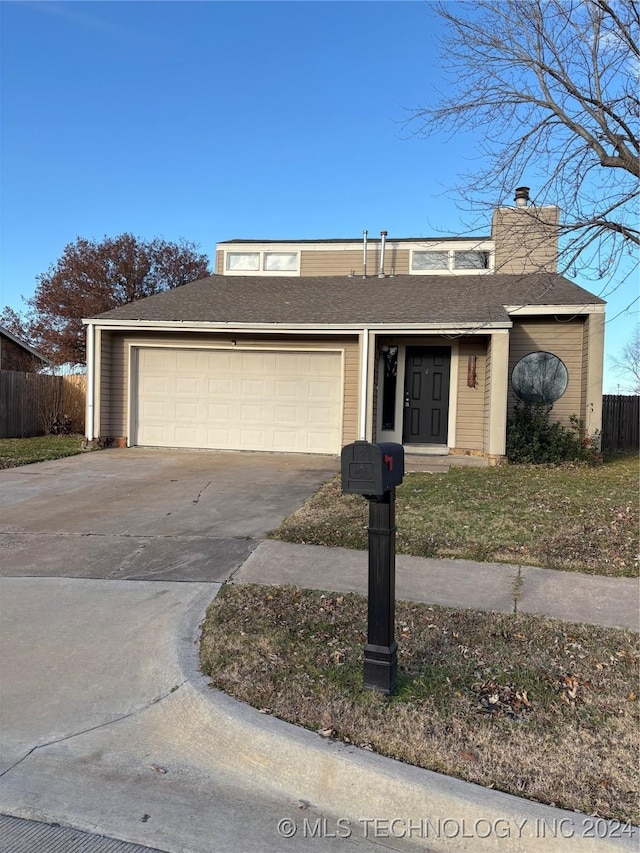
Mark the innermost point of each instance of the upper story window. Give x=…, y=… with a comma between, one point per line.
x=281, y=261
x=262, y=262
x=449, y=260
x=430, y=261
x=471, y=260
x=243, y=261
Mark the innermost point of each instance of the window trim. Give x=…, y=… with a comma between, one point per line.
x=241, y=270
x=451, y=251
x=261, y=253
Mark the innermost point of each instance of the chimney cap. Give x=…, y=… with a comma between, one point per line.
x=521, y=197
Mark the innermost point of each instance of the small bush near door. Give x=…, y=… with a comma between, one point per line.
x=533, y=438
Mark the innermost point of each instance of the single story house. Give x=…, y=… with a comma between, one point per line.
x=307, y=345
x=16, y=354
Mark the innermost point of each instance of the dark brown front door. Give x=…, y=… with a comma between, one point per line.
x=426, y=395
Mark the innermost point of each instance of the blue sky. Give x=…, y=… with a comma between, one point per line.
x=215, y=120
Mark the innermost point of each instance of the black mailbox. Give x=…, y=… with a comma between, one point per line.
x=371, y=469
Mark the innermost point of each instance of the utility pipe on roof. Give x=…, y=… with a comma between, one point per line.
x=364, y=375
x=364, y=253
x=90, y=382
x=383, y=237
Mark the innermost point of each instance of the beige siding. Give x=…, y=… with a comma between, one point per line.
x=486, y=423
x=563, y=339
x=219, y=262
x=104, y=427
x=115, y=379
x=584, y=385
x=470, y=415
x=333, y=261
x=526, y=239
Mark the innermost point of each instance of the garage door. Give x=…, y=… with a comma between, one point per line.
x=238, y=400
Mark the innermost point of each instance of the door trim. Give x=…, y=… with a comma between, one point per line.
x=451, y=396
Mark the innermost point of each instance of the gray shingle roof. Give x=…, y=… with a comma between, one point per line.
x=329, y=300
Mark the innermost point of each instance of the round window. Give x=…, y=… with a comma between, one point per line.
x=539, y=377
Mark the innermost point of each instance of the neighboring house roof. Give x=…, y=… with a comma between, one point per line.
x=341, y=300
x=23, y=345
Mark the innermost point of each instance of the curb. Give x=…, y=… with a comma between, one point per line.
x=377, y=795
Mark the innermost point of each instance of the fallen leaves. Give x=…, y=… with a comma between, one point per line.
x=503, y=700
x=479, y=694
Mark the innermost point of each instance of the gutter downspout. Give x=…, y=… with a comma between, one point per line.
x=89, y=427
x=364, y=371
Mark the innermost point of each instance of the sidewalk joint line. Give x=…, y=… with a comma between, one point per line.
x=518, y=583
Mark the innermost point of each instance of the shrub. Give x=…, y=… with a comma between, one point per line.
x=533, y=438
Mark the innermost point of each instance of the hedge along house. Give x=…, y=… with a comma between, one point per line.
x=307, y=345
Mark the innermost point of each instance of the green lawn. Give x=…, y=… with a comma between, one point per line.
x=23, y=451
x=573, y=517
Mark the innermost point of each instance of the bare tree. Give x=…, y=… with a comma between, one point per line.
x=552, y=86
x=627, y=364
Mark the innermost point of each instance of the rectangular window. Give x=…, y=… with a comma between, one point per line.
x=249, y=261
x=430, y=261
x=284, y=261
x=389, y=379
x=470, y=260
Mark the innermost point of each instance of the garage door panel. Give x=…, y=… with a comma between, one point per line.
x=186, y=411
x=321, y=390
x=286, y=415
x=219, y=387
x=286, y=389
x=185, y=436
x=315, y=441
x=283, y=440
x=319, y=417
x=219, y=413
x=253, y=414
x=287, y=401
x=154, y=409
x=154, y=384
x=186, y=386
x=187, y=360
x=253, y=388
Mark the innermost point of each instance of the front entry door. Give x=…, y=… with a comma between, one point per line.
x=426, y=395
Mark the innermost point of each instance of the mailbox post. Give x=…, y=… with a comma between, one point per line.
x=374, y=470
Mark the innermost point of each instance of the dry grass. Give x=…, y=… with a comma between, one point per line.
x=572, y=517
x=24, y=451
x=538, y=708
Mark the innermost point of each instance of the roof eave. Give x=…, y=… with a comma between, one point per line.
x=293, y=328
x=545, y=310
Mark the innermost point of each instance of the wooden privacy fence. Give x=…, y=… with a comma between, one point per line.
x=37, y=404
x=620, y=422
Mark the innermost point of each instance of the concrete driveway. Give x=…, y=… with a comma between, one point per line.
x=148, y=514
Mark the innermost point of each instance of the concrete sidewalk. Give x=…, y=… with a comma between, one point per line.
x=571, y=596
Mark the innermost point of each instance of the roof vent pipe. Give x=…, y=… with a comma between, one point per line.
x=383, y=235
x=521, y=197
x=364, y=253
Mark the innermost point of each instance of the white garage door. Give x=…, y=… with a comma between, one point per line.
x=238, y=400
